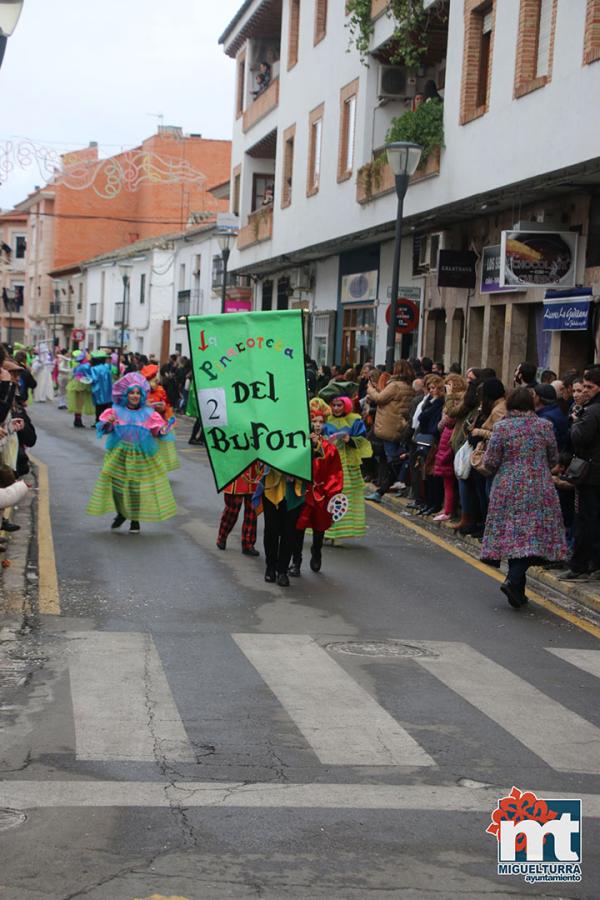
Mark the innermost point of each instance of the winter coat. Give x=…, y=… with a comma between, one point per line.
x=585, y=438
x=554, y=414
x=393, y=404
x=524, y=516
x=12, y=494
x=484, y=431
x=429, y=417
x=444, y=457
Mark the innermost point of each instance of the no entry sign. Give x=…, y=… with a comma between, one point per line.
x=407, y=315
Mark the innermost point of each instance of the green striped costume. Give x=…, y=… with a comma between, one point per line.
x=353, y=523
x=133, y=484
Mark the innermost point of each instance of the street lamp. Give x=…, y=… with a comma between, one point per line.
x=226, y=239
x=10, y=10
x=125, y=270
x=55, y=309
x=403, y=158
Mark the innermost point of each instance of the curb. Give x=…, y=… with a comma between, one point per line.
x=570, y=592
x=16, y=607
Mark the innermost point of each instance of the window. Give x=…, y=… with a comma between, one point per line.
x=288, y=165
x=294, y=33
x=182, y=274
x=102, y=286
x=347, y=130
x=217, y=271
x=315, y=124
x=262, y=190
x=241, y=84
x=320, y=20
x=93, y=313
x=20, y=246
x=358, y=335
x=197, y=267
x=477, y=59
x=283, y=293
x=535, y=45
x=591, y=44
x=142, y=288
x=267, y=295
x=119, y=307
x=80, y=295
x=237, y=178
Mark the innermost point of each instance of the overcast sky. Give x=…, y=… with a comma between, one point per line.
x=77, y=71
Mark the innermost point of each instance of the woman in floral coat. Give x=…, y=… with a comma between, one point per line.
x=524, y=521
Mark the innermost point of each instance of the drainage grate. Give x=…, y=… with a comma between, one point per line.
x=381, y=648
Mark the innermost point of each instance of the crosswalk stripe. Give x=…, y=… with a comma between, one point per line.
x=122, y=704
x=341, y=721
x=562, y=738
x=588, y=660
x=23, y=795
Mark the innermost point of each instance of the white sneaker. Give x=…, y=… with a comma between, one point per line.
x=398, y=486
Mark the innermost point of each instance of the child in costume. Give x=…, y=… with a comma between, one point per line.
x=158, y=400
x=241, y=490
x=348, y=432
x=282, y=499
x=133, y=481
x=79, y=390
x=327, y=481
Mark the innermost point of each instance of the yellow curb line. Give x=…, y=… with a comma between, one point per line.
x=49, y=597
x=491, y=573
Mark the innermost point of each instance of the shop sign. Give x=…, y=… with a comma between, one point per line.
x=490, y=272
x=566, y=313
x=538, y=258
x=359, y=287
x=456, y=269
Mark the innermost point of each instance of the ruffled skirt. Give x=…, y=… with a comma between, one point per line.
x=133, y=484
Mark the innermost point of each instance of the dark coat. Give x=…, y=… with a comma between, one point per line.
x=585, y=438
x=430, y=416
x=554, y=414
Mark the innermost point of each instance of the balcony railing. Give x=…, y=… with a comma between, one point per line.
x=261, y=105
x=188, y=302
x=63, y=311
x=371, y=184
x=259, y=228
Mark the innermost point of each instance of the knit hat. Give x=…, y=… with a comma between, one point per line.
x=347, y=404
x=493, y=389
x=546, y=393
x=122, y=387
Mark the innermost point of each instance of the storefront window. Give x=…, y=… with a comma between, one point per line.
x=358, y=335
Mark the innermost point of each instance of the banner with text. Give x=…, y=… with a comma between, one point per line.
x=251, y=387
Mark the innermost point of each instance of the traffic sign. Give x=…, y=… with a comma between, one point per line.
x=407, y=315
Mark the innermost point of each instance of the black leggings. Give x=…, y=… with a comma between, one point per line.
x=317, y=544
x=280, y=534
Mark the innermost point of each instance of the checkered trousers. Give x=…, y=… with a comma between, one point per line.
x=233, y=504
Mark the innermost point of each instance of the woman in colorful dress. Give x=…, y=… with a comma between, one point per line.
x=133, y=481
x=524, y=521
x=347, y=431
x=79, y=390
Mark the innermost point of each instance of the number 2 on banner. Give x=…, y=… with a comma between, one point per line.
x=213, y=407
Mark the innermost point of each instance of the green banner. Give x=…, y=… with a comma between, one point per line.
x=250, y=382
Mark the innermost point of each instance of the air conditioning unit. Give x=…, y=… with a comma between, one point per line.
x=395, y=83
x=299, y=280
x=429, y=247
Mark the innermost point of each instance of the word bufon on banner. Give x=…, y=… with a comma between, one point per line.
x=251, y=388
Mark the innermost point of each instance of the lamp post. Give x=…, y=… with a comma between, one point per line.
x=403, y=158
x=55, y=309
x=226, y=239
x=10, y=10
x=125, y=270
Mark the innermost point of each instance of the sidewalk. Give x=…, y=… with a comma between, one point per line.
x=586, y=594
x=19, y=564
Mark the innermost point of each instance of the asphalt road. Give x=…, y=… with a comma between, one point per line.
x=187, y=730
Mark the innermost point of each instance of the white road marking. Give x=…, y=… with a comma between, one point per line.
x=563, y=739
x=122, y=704
x=588, y=660
x=21, y=795
x=341, y=721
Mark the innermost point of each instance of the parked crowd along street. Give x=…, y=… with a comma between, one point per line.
x=516, y=466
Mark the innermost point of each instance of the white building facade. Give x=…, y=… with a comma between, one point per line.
x=518, y=79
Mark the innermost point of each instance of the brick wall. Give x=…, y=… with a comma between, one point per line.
x=591, y=46
x=293, y=34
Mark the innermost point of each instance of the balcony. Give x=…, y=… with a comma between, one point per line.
x=259, y=228
x=62, y=311
x=188, y=303
x=261, y=106
x=373, y=182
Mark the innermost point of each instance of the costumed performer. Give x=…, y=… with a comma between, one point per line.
x=158, y=400
x=133, y=481
x=348, y=432
x=282, y=498
x=241, y=490
x=62, y=381
x=99, y=371
x=327, y=481
x=41, y=369
x=79, y=390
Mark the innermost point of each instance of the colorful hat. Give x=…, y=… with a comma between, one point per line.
x=125, y=384
x=78, y=355
x=98, y=354
x=149, y=371
x=347, y=404
x=319, y=409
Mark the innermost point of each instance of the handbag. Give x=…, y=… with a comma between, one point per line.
x=462, y=461
x=423, y=441
x=477, y=458
x=577, y=471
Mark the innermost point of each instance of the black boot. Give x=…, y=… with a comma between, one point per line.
x=9, y=526
x=515, y=597
x=77, y=423
x=118, y=521
x=134, y=528
x=270, y=575
x=294, y=570
x=315, y=559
